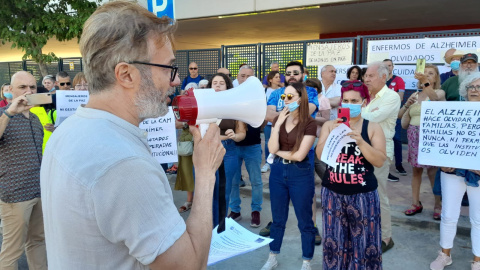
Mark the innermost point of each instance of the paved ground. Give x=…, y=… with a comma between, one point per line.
x=416, y=238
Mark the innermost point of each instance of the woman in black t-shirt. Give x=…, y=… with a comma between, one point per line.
x=351, y=207
x=291, y=176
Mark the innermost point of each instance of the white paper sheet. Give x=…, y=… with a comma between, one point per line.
x=335, y=142
x=235, y=240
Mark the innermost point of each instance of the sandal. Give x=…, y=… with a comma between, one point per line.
x=437, y=213
x=185, y=207
x=414, y=210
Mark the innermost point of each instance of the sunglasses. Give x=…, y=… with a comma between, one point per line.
x=295, y=72
x=356, y=84
x=287, y=96
x=193, y=68
x=63, y=83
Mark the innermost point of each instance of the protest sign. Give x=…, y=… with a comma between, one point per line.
x=162, y=137
x=329, y=53
x=336, y=140
x=450, y=134
x=68, y=102
x=407, y=51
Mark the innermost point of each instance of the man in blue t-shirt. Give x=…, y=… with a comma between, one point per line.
x=274, y=67
x=193, y=77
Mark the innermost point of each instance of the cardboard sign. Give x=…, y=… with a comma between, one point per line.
x=329, y=54
x=407, y=51
x=162, y=137
x=450, y=134
x=68, y=102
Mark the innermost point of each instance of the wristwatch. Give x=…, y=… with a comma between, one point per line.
x=427, y=84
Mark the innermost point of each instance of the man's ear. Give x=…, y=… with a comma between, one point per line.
x=126, y=75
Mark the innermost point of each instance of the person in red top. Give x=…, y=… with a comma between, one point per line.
x=397, y=84
x=351, y=206
x=6, y=95
x=291, y=176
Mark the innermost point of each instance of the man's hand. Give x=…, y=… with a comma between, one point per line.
x=19, y=105
x=49, y=127
x=208, y=151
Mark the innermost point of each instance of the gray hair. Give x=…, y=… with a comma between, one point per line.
x=382, y=69
x=466, y=82
x=274, y=63
x=119, y=32
x=203, y=83
x=191, y=85
x=324, y=68
x=246, y=67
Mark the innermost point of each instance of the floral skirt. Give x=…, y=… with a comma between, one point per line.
x=352, y=234
x=413, y=135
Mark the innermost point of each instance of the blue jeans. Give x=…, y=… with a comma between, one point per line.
x=252, y=155
x=294, y=182
x=230, y=162
x=267, y=130
x=397, y=143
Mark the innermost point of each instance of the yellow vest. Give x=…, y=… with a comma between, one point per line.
x=44, y=119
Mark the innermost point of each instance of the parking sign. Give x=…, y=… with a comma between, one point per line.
x=162, y=8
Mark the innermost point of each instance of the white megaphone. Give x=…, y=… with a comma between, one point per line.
x=246, y=103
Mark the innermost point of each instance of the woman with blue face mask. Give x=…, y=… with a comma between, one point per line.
x=6, y=95
x=291, y=176
x=351, y=206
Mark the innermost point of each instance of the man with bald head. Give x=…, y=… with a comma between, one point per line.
x=193, y=75
x=21, y=138
x=224, y=71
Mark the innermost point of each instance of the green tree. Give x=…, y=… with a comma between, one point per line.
x=29, y=24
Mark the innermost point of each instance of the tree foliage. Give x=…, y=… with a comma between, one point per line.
x=29, y=24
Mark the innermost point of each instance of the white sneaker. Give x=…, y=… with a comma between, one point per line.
x=475, y=265
x=306, y=265
x=271, y=262
x=441, y=261
x=265, y=168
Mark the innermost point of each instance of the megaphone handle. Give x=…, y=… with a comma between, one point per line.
x=203, y=129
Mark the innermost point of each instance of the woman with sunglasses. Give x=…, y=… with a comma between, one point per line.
x=455, y=182
x=410, y=112
x=351, y=206
x=291, y=176
x=231, y=131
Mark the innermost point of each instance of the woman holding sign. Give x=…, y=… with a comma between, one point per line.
x=454, y=184
x=351, y=206
x=429, y=82
x=291, y=176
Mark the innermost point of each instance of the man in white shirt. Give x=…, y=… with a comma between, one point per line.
x=108, y=203
x=382, y=109
x=331, y=90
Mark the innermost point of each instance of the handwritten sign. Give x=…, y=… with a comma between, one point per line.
x=329, y=53
x=450, y=134
x=68, y=102
x=407, y=51
x=336, y=140
x=162, y=137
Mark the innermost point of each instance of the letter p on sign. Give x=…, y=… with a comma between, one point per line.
x=162, y=8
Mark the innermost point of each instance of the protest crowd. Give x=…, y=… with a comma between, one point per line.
x=88, y=193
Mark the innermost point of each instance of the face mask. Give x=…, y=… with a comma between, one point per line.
x=293, y=106
x=355, y=109
x=8, y=95
x=455, y=65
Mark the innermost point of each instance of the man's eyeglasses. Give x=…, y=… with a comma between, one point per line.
x=173, y=68
x=356, y=84
x=473, y=87
x=193, y=68
x=287, y=96
x=63, y=83
x=295, y=72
